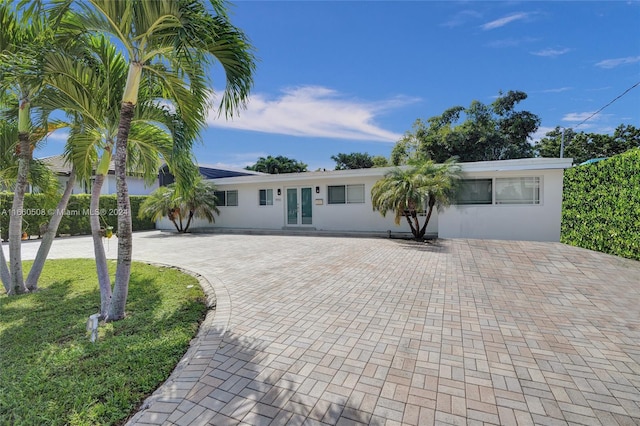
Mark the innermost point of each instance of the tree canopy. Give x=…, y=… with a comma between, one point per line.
x=279, y=164
x=410, y=191
x=198, y=201
x=477, y=133
x=585, y=146
x=355, y=160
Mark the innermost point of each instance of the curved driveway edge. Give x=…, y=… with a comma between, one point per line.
x=319, y=330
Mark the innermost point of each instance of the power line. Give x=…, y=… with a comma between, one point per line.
x=600, y=110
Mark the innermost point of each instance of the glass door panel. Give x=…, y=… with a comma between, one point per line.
x=307, y=206
x=292, y=206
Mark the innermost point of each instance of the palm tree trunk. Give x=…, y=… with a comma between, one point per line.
x=186, y=228
x=47, y=238
x=125, y=243
x=431, y=204
x=104, y=283
x=417, y=226
x=5, y=277
x=414, y=231
x=15, y=214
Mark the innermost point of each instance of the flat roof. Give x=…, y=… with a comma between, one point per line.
x=478, y=166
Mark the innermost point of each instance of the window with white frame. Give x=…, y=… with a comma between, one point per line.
x=518, y=190
x=227, y=198
x=475, y=191
x=266, y=197
x=345, y=194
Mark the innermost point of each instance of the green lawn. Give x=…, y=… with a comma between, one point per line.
x=49, y=371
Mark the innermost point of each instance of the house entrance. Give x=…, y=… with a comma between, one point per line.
x=299, y=206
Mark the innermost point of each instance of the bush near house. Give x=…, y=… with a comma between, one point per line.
x=37, y=211
x=601, y=206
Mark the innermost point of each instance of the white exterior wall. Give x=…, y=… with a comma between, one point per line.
x=529, y=222
x=534, y=222
x=350, y=217
x=136, y=186
x=77, y=187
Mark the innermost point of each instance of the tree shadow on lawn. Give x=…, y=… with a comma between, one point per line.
x=46, y=355
x=252, y=380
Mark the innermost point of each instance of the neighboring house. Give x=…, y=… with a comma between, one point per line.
x=136, y=184
x=508, y=199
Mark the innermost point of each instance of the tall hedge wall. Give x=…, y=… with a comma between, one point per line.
x=37, y=211
x=601, y=206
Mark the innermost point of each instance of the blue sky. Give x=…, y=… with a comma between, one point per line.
x=353, y=76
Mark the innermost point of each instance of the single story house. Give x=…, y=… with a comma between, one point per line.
x=508, y=199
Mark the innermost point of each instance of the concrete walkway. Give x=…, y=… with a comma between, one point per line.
x=319, y=330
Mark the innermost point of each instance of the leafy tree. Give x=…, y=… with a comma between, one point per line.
x=488, y=132
x=199, y=201
x=171, y=42
x=355, y=160
x=416, y=189
x=585, y=146
x=279, y=164
x=380, y=161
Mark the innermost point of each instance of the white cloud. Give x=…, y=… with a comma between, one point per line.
x=612, y=63
x=577, y=116
x=556, y=90
x=540, y=133
x=461, y=18
x=314, y=111
x=504, y=21
x=511, y=42
x=58, y=135
x=551, y=53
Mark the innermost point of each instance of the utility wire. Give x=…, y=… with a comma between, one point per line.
x=600, y=110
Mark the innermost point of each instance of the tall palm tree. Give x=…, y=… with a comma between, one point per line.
x=198, y=201
x=416, y=189
x=170, y=41
x=88, y=89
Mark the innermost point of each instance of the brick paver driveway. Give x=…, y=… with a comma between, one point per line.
x=318, y=330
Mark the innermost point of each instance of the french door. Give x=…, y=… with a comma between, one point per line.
x=299, y=206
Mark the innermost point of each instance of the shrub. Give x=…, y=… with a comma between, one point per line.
x=37, y=211
x=601, y=206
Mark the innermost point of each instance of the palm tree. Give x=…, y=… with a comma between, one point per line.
x=170, y=41
x=415, y=189
x=24, y=38
x=199, y=201
x=39, y=177
x=88, y=88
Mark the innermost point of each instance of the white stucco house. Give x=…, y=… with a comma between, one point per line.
x=509, y=199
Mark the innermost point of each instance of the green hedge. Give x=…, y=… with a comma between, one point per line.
x=601, y=206
x=76, y=220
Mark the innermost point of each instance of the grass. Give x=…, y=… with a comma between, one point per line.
x=49, y=371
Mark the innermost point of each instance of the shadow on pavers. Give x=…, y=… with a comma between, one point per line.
x=248, y=382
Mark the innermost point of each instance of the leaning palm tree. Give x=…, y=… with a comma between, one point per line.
x=199, y=201
x=415, y=190
x=171, y=42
